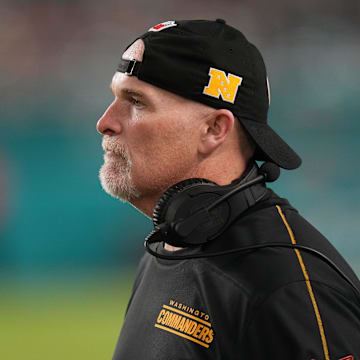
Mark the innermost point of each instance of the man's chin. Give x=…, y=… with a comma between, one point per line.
x=117, y=184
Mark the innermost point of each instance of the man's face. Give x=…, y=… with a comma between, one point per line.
x=150, y=139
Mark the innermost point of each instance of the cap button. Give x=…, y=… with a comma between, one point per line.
x=221, y=21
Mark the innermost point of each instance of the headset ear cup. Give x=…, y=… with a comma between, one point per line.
x=164, y=202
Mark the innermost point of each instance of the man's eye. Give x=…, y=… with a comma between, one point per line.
x=137, y=102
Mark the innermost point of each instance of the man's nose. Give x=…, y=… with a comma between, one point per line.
x=109, y=123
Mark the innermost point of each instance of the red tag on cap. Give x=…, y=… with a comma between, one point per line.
x=163, y=26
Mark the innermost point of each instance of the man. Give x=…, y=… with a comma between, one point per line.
x=243, y=278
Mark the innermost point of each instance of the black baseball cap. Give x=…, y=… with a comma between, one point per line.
x=214, y=64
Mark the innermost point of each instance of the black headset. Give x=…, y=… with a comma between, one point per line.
x=195, y=211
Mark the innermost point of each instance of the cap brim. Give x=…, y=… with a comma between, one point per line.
x=271, y=147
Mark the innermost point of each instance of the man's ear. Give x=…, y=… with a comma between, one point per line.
x=216, y=128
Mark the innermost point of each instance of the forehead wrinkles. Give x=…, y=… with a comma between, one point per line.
x=130, y=84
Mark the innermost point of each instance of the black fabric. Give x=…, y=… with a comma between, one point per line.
x=179, y=59
x=253, y=305
x=271, y=147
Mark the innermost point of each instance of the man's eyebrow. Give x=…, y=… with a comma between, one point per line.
x=126, y=91
x=132, y=92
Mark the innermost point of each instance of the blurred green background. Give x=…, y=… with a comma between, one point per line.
x=68, y=251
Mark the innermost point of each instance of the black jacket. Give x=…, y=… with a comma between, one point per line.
x=269, y=303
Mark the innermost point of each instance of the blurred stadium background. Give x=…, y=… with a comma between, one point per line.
x=68, y=252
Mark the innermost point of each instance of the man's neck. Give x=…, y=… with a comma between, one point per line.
x=220, y=175
x=171, y=248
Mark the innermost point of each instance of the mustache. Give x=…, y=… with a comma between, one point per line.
x=112, y=144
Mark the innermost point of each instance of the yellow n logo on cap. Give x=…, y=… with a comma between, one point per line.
x=220, y=84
